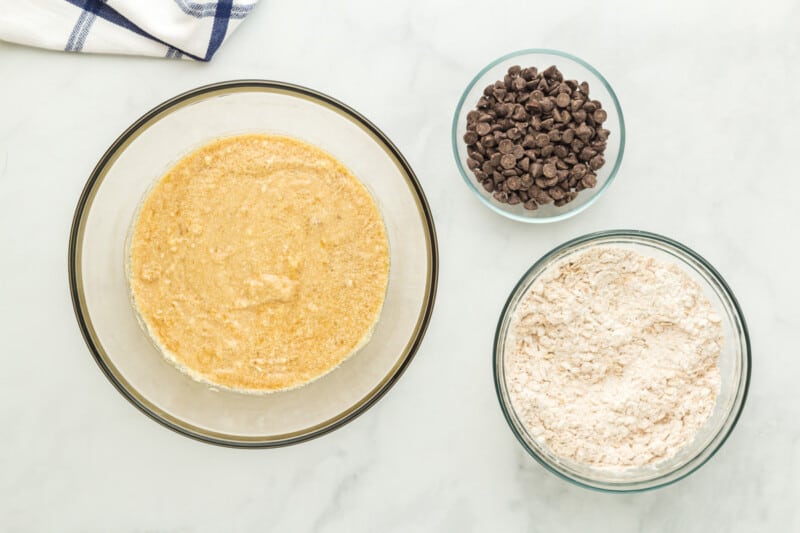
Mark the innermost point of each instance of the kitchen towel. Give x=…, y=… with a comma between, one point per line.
x=162, y=28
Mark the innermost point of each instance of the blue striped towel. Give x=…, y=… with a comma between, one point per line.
x=162, y=28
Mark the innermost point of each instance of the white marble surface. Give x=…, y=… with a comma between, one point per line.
x=710, y=94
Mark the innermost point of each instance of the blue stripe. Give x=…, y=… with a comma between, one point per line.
x=209, y=9
x=99, y=8
x=76, y=31
x=173, y=53
x=84, y=33
x=220, y=27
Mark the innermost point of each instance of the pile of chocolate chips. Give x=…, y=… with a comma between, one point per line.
x=535, y=138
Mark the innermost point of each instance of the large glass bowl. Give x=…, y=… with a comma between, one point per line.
x=734, y=363
x=102, y=299
x=572, y=68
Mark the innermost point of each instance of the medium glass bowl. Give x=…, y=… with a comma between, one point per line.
x=572, y=68
x=734, y=362
x=101, y=295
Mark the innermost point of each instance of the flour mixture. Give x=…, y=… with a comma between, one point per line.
x=612, y=359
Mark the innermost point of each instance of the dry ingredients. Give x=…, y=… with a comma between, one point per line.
x=536, y=138
x=612, y=359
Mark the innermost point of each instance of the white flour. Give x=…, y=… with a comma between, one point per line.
x=612, y=359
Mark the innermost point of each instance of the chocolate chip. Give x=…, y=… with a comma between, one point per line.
x=596, y=162
x=542, y=197
x=578, y=170
x=600, y=116
x=501, y=196
x=529, y=73
x=514, y=184
x=542, y=139
x=552, y=73
x=586, y=154
x=529, y=141
x=504, y=110
x=508, y=161
x=583, y=132
x=557, y=193
x=535, y=138
x=505, y=146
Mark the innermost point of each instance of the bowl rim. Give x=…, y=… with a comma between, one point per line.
x=597, y=192
x=745, y=347
x=75, y=270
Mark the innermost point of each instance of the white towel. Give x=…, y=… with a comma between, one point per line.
x=161, y=28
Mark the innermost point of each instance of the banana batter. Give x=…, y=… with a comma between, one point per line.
x=259, y=263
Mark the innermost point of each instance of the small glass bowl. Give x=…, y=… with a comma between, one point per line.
x=101, y=295
x=572, y=68
x=734, y=365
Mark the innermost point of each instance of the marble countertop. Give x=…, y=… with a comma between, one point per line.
x=711, y=100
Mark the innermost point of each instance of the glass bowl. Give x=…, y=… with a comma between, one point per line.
x=102, y=302
x=572, y=68
x=734, y=365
